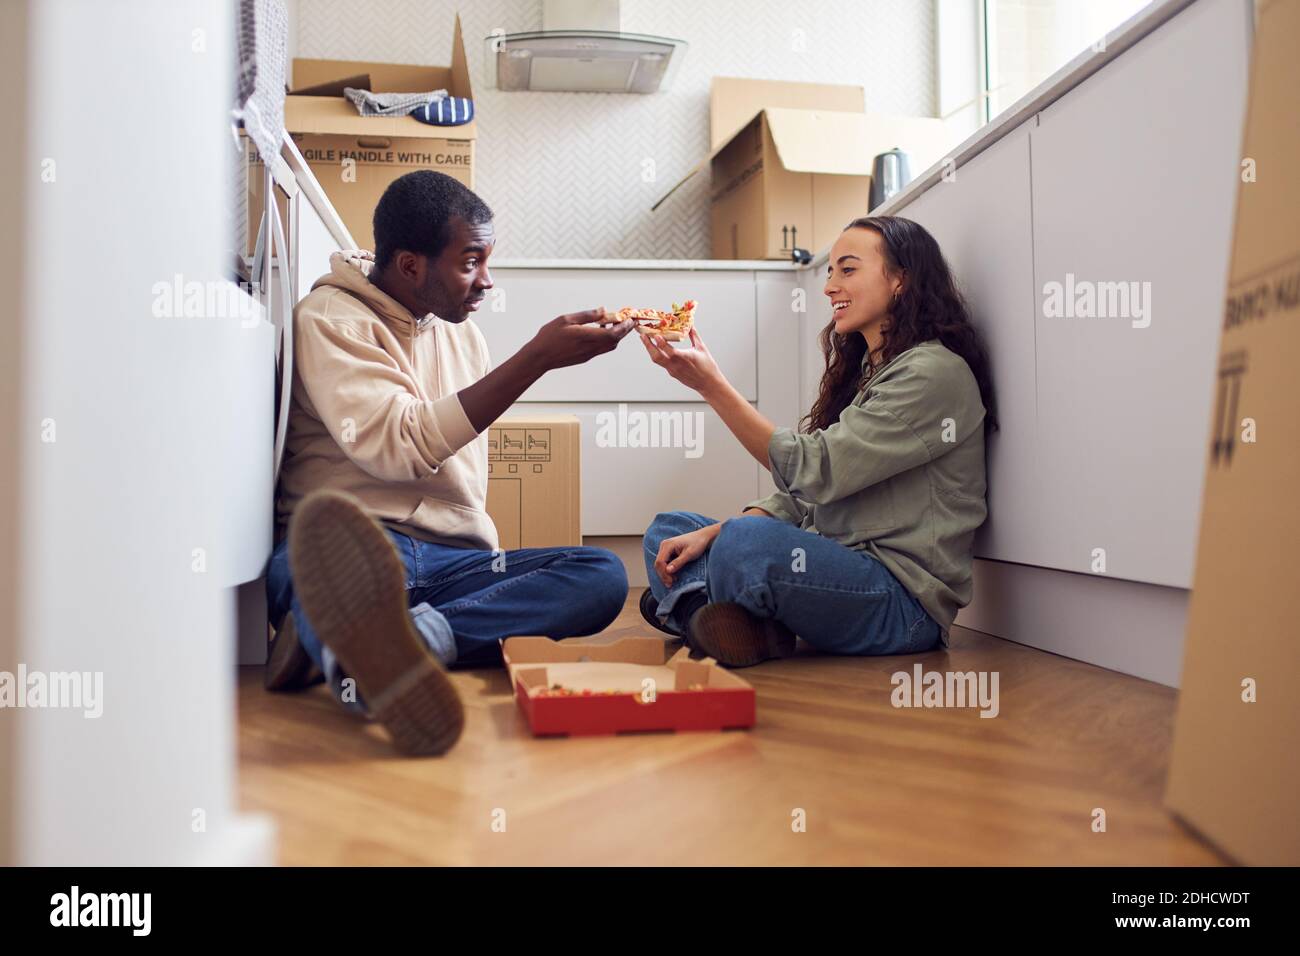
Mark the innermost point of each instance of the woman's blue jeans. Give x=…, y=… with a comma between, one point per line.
x=839, y=600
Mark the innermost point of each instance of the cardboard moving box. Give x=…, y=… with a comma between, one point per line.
x=795, y=168
x=581, y=687
x=534, y=481
x=734, y=101
x=1235, y=773
x=355, y=157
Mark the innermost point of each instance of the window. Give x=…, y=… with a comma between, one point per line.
x=993, y=52
x=1026, y=41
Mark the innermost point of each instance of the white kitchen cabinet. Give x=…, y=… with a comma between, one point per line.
x=1134, y=182
x=780, y=307
x=624, y=487
x=981, y=220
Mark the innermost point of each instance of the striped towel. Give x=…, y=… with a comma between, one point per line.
x=449, y=111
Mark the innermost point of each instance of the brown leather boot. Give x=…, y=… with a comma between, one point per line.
x=288, y=667
x=735, y=638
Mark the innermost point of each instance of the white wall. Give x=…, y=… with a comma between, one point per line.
x=128, y=110
x=564, y=170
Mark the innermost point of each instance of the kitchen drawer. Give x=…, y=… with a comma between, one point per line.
x=623, y=488
x=525, y=299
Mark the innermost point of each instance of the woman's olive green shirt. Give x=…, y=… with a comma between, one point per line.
x=900, y=475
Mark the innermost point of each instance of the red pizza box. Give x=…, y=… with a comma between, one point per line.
x=579, y=688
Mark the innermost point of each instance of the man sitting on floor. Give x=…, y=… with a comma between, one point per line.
x=390, y=568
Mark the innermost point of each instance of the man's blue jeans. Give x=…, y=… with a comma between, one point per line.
x=839, y=600
x=464, y=601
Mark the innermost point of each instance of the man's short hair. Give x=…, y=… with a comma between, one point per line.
x=415, y=213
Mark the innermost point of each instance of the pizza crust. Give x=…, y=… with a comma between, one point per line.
x=666, y=336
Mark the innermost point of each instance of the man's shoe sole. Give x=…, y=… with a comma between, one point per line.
x=352, y=587
x=735, y=638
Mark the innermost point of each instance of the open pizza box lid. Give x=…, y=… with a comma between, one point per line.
x=576, y=687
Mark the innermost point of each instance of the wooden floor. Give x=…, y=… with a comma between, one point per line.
x=876, y=784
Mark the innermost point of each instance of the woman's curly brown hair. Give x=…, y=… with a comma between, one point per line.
x=929, y=307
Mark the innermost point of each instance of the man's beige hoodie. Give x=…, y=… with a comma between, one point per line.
x=374, y=411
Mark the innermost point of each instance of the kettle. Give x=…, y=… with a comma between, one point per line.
x=890, y=172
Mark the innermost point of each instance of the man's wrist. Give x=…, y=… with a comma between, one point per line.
x=532, y=362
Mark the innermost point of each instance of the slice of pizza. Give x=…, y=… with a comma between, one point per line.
x=676, y=325
x=639, y=317
x=673, y=325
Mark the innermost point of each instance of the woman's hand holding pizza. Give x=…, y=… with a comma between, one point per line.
x=694, y=367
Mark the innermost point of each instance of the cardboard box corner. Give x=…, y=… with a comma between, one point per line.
x=534, y=480
x=1233, y=773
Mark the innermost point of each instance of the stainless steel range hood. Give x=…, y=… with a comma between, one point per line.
x=581, y=49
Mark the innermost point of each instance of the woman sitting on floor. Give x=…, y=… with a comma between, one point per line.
x=865, y=548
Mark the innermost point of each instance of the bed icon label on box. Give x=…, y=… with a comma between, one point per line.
x=519, y=444
x=533, y=481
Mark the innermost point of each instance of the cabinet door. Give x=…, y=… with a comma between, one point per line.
x=524, y=299
x=697, y=466
x=1134, y=183
x=981, y=220
x=245, y=433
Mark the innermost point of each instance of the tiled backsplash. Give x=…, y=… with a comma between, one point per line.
x=575, y=174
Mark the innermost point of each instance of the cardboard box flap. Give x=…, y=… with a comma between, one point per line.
x=336, y=87
x=384, y=77
x=701, y=165
x=817, y=152
x=625, y=677
x=333, y=115
x=683, y=654
x=689, y=674
x=392, y=77
x=734, y=101
x=538, y=650
x=460, y=81
x=924, y=139
x=706, y=161
x=538, y=662
x=848, y=143
x=817, y=141
x=521, y=420
x=840, y=142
